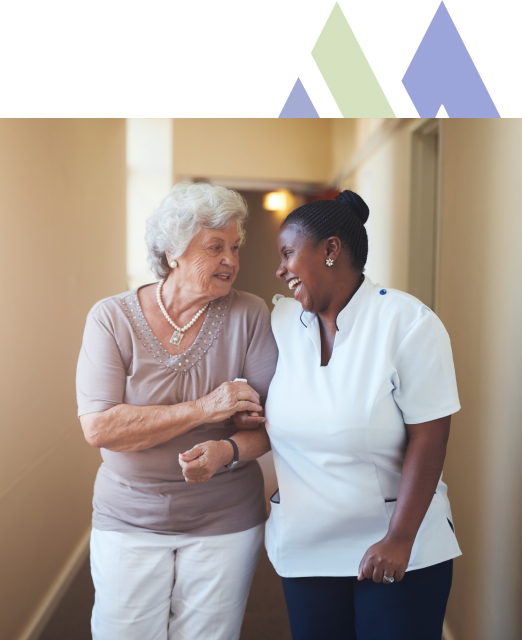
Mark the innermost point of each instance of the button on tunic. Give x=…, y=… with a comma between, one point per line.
x=338, y=432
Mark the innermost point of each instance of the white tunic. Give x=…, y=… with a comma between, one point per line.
x=338, y=432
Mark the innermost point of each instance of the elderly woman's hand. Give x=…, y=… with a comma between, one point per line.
x=229, y=398
x=248, y=419
x=201, y=462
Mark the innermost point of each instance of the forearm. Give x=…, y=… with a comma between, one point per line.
x=133, y=428
x=421, y=472
x=252, y=444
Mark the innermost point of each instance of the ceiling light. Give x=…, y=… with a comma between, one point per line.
x=281, y=201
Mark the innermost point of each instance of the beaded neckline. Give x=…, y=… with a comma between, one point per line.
x=212, y=324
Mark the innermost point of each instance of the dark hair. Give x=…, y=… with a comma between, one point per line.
x=343, y=217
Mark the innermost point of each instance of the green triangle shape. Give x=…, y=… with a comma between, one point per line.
x=346, y=71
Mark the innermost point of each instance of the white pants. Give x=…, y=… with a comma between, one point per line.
x=165, y=587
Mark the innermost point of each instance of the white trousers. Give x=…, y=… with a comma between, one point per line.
x=171, y=587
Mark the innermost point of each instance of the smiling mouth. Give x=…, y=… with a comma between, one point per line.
x=293, y=283
x=223, y=276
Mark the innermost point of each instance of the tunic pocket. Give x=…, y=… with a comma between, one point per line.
x=275, y=499
x=390, y=505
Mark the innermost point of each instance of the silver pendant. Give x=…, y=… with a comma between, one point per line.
x=177, y=337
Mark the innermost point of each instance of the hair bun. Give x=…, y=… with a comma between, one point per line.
x=357, y=205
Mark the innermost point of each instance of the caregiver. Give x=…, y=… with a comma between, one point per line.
x=358, y=415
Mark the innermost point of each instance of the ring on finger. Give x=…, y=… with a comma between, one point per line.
x=388, y=579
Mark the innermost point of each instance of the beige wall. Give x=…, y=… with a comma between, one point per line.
x=344, y=143
x=382, y=178
x=62, y=247
x=350, y=136
x=480, y=302
x=254, y=149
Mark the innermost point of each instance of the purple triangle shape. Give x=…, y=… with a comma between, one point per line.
x=298, y=104
x=442, y=72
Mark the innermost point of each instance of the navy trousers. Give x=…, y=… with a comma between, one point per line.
x=345, y=609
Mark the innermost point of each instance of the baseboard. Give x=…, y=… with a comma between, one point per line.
x=446, y=632
x=48, y=605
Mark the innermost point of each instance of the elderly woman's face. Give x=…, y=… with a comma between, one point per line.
x=302, y=266
x=211, y=261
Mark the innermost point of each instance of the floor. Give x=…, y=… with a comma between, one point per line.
x=265, y=617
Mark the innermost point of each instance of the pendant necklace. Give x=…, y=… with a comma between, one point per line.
x=177, y=336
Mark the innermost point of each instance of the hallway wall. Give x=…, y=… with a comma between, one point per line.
x=480, y=303
x=253, y=149
x=62, y=248
x=380, y=173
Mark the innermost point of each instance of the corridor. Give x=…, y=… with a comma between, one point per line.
x=445, y=225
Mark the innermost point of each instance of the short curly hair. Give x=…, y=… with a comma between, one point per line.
x=188, y=208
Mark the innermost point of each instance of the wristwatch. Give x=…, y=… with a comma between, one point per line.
x=235, y=460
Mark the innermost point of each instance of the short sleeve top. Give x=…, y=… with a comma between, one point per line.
x=122, y=362
x=338, y=431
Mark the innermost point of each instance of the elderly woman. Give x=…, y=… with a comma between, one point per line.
x=172, y=555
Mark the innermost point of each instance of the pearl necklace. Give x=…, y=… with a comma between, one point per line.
x=177, y=336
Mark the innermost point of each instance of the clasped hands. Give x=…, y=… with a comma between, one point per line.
x=235, y=400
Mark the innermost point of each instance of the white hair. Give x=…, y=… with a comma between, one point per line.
x=188, y=208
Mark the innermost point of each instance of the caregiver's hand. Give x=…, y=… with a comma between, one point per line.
x=249, y=419
x=201, y=462
x=388, y=557
x=228, y=399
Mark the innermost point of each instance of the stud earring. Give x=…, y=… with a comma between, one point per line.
x=329, y=262
x=173, y=264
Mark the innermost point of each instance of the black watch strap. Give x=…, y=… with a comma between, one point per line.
x=236, y=453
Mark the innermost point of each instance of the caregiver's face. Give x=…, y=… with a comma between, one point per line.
x=303, y=267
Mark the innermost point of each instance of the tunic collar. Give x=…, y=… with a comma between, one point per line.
x=346, y=317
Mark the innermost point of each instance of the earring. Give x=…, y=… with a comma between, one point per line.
x=173, y=264
x=329, y=262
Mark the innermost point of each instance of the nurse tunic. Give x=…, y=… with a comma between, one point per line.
x=338, y=432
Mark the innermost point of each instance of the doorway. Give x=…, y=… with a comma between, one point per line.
x=424, y=217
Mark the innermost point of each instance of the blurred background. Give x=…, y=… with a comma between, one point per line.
x=445, y=225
